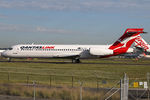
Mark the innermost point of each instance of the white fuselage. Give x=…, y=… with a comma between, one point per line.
x=53, y=51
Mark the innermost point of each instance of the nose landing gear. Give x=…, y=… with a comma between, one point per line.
x=9, y=59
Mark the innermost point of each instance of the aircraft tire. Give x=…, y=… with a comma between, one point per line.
x=9, y=59
x=76, y=60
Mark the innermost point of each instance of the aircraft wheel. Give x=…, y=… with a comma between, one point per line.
x=76, y=60
x=9, y=59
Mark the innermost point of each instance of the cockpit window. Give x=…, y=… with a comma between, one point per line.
x=10, y=48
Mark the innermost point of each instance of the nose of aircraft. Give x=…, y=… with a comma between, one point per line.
x=4, y=54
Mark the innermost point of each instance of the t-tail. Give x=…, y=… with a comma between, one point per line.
x=126, y=40
x=141, y=43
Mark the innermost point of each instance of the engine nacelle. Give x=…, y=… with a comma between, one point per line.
x=100, y=51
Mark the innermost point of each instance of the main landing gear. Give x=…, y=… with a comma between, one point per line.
x=76, y=60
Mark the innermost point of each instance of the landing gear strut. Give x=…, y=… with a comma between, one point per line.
x=76, y=60
x=9, y=59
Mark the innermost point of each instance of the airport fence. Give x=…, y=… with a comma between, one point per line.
x=53, y=80
x=57, y=87
x=70, y=87
x=56, y=80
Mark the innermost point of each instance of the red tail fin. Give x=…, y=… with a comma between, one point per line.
x=126, y=40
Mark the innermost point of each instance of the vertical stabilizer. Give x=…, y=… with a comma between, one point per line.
x=126, y=40
x=141, y=43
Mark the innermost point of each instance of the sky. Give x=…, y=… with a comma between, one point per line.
x=70, y=21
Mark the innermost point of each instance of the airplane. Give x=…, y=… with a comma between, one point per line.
x=141, y=43
x=74, y=52
x=142, y=46
x=2, y=50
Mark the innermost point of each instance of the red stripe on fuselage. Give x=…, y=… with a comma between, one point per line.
x=48, y=47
